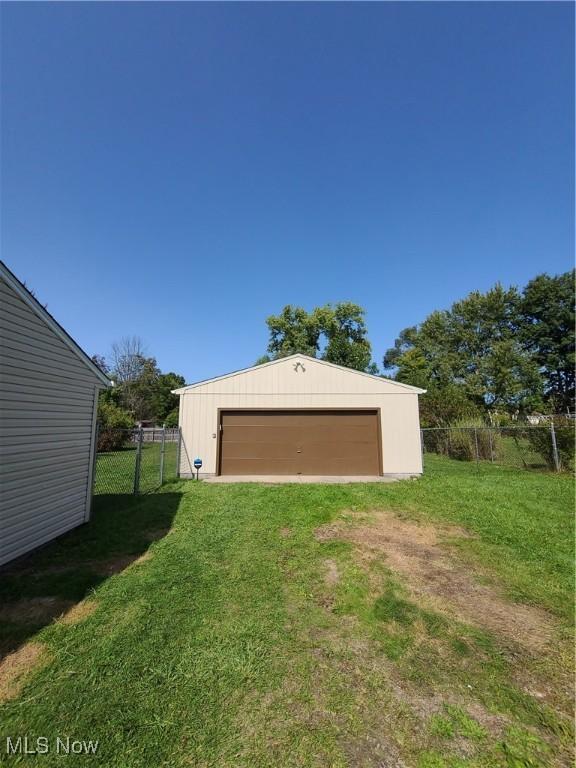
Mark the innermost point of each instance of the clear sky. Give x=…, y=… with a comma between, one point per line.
x=181, y=171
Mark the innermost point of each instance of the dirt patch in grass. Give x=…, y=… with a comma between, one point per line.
x=16, y=667
x=372, y=750
x=418, y=554
x=350, y=653
x=34, y=610
x=79, y=612
x=332, y=575
x=328, y=532
x=343, y=667
x=285, y=533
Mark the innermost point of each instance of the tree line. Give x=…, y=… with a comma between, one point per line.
x=141, y=392
x=505, y=351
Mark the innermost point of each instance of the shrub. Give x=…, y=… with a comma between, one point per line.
x=463, y=440
x=114, y=427
x=442, y=406
x=172, y=419
x=540, y=439
x=461, y=444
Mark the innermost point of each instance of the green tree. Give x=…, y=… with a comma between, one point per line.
x=442, y=406
x=475, y=345
x=141, y=388
x=293, y=330
x=489, y=358
x=163, y=402
x=336, y=333
x=547, y=330
x=138, y=395
x=345, y=332
x=171, y=419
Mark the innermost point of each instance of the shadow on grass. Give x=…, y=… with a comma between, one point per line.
x=39, y=587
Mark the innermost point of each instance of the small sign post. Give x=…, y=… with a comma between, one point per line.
x=197, y=466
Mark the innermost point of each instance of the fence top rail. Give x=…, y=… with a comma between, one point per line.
x=487, y=426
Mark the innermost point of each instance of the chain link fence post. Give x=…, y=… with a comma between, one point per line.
x=94, y=467
x=476, y=445
x=422, y=447
x=554, y=447
x=178, y=447
x=162, y=452
x=138, y=462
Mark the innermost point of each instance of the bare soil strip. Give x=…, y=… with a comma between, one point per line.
x=418, y=554
x=17, y=666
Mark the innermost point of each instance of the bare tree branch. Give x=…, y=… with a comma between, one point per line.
x=128, y=356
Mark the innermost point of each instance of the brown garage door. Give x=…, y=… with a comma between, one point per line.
x=299, y=443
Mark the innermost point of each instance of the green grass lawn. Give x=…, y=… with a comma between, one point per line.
x=247, y=625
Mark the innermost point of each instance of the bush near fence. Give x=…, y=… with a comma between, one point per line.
x=464, y=442
x=112, y=439
x=523, y=446
x=115, y=427
x=541, y=442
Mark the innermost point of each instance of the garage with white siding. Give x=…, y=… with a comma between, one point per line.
x=300, y=416
x=48, y=407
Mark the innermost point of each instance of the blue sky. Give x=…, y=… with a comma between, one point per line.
x=181, y=171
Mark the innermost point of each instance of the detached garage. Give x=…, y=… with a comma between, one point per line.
x=48, y=404
x=300, y=416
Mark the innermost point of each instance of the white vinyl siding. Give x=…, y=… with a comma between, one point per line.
x=47, y=400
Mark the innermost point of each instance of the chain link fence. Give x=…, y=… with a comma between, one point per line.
x=136, y=460
x=542, y=448
x=133, y=461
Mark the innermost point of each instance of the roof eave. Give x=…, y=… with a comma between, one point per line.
x=399, y=384
x=32, y=302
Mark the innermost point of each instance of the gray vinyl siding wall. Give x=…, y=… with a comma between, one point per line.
x=47, y=419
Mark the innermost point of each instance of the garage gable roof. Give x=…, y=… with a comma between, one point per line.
x=407, y=388
x=24, y=294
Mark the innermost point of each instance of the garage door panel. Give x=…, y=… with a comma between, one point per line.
x=257, y=418
x=260, y=434
x=341, y=418
x=257, y=467
x=339, y=450
x=262, y=419
x=304, y=442
x=260, y=451
x=341, y=433
x=295, y=418
x=330, y=466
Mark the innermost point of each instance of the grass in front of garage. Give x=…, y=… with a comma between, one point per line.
x=423, y=623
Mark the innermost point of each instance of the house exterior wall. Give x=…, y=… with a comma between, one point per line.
x=48, y=400
x=319, y=386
